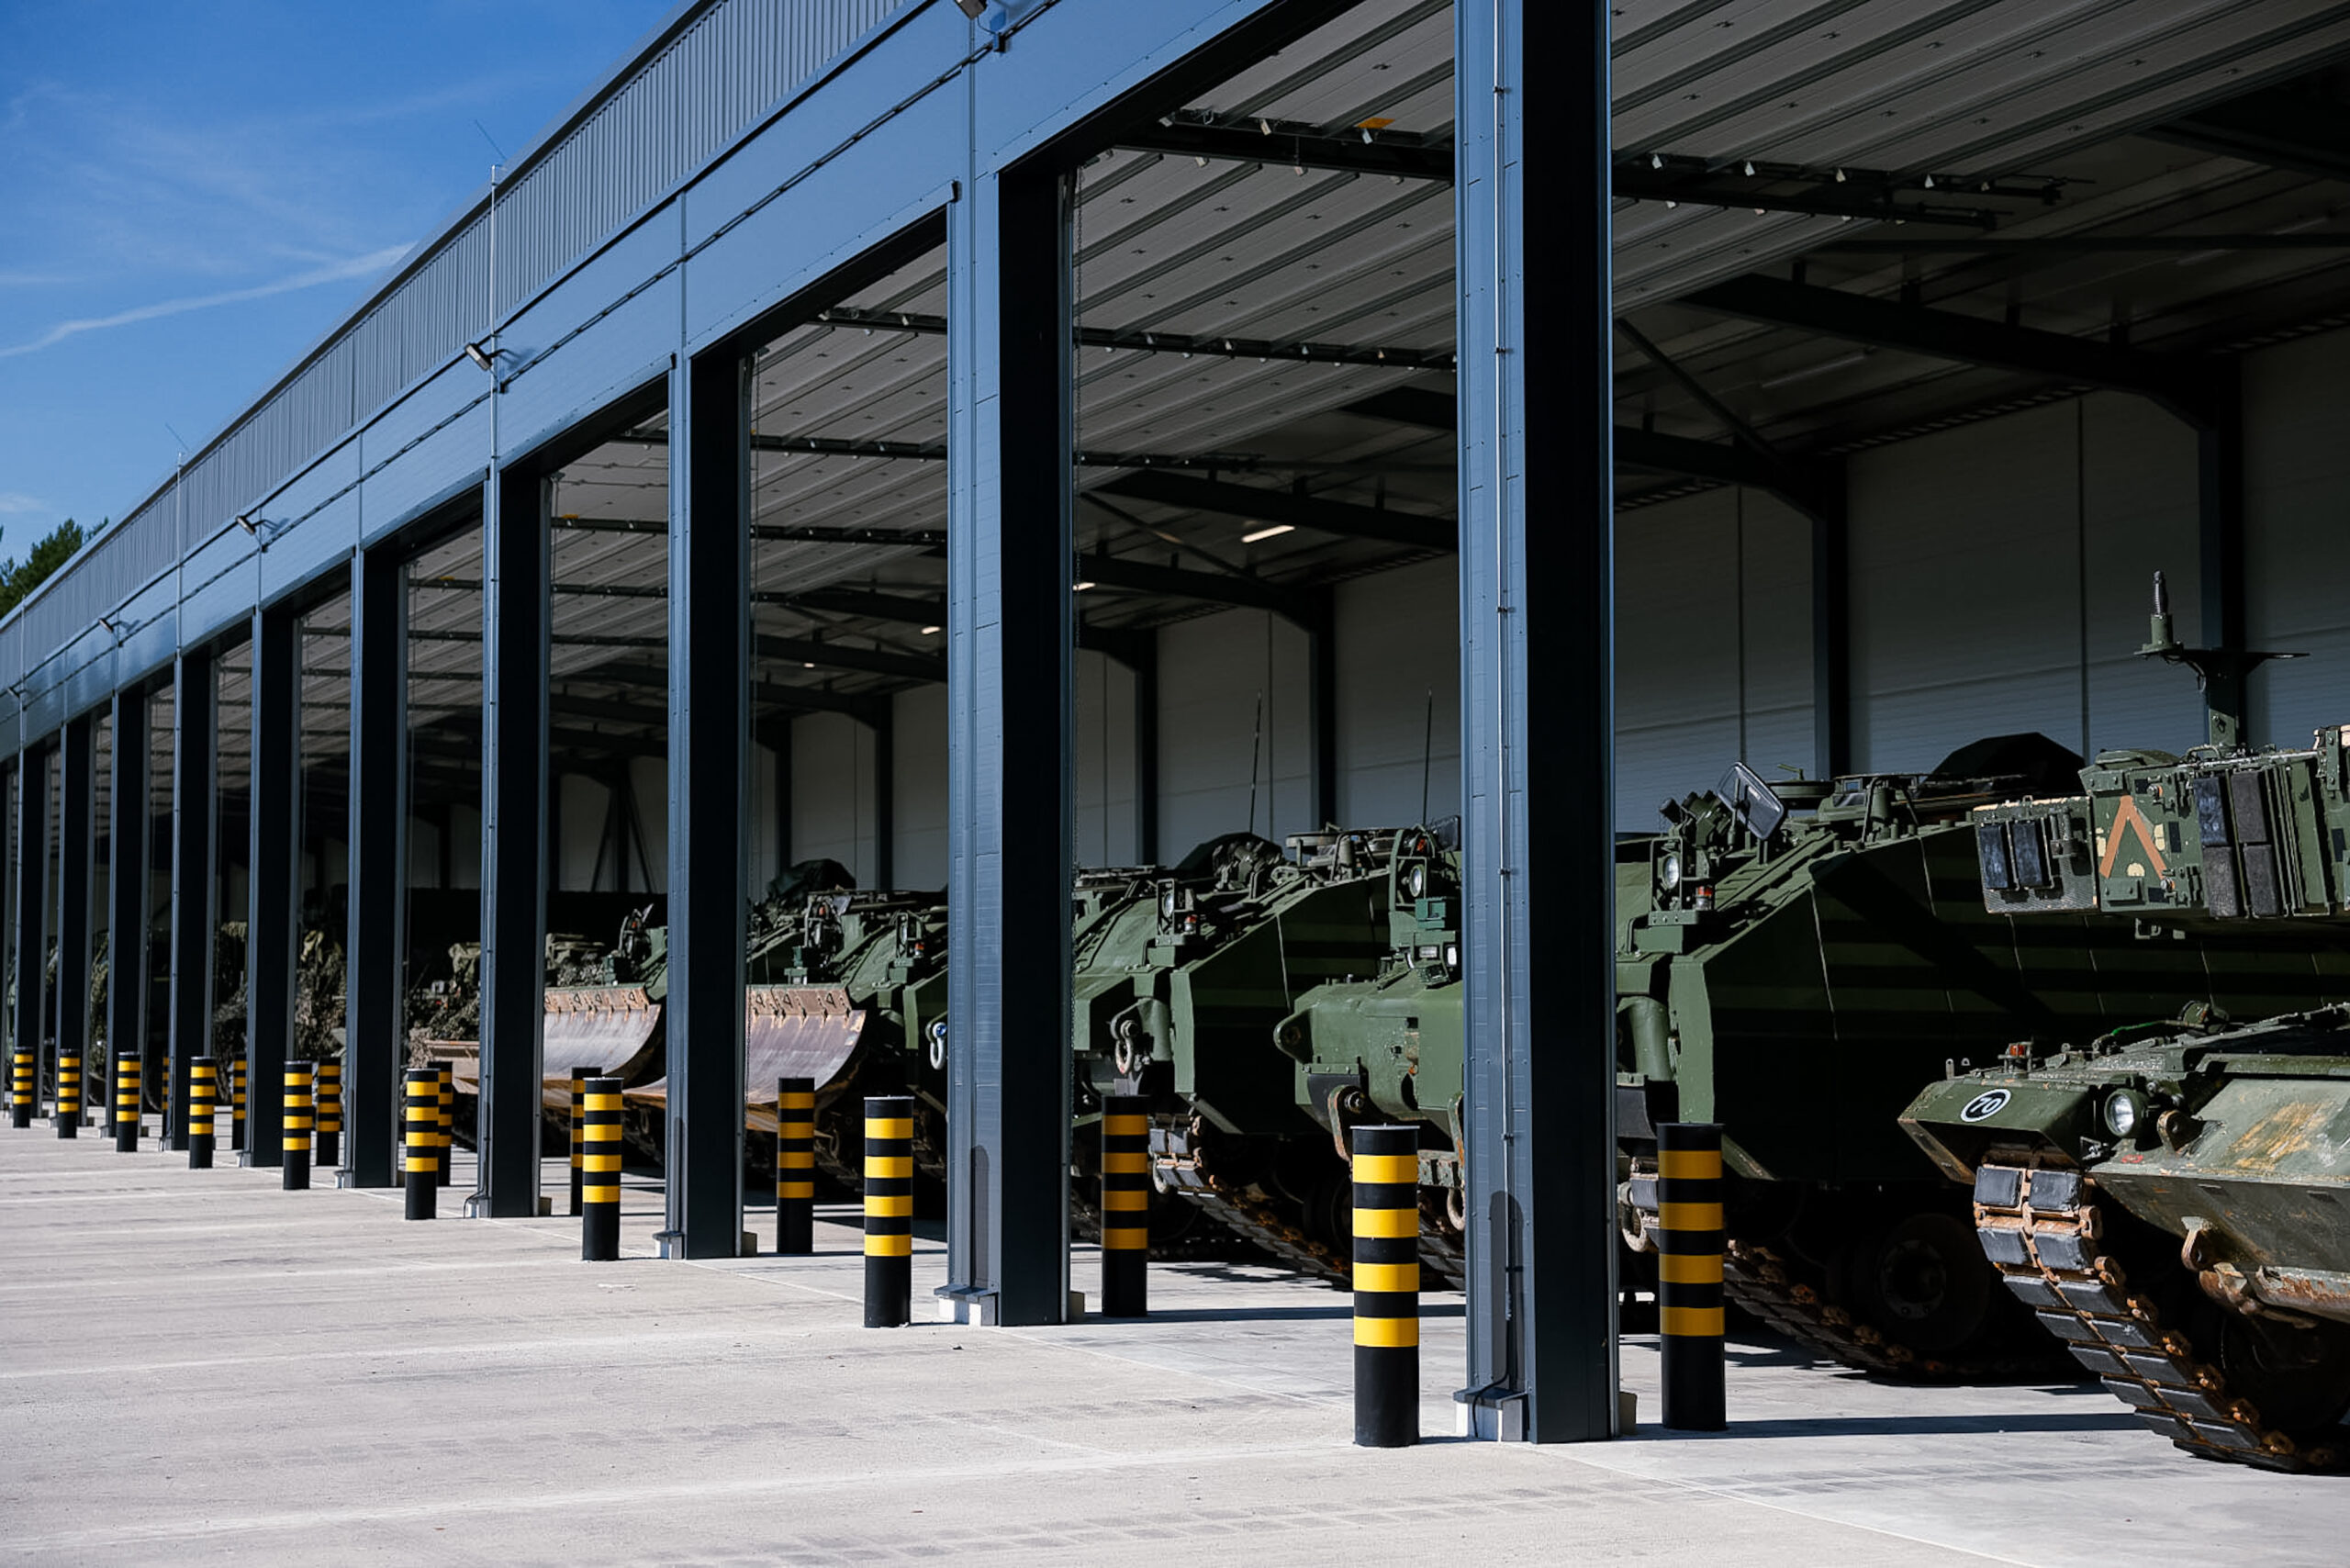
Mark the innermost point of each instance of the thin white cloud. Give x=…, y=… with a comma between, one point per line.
x=335, y=272
x=13, y=502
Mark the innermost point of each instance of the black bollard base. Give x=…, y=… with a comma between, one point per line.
x=1691, y=1369
x=69, y=1124
x=22, y=1115
x=421, y=1194
x=795, y=1226
x=296, y=1170
x=599, y=1232
x=888, y=1287
x=329, y=1150
x=1125, y=1279
x=199, y=1151
x=1387, y=1393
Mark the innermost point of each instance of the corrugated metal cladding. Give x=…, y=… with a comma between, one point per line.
x=734, y=61
x=711, y=82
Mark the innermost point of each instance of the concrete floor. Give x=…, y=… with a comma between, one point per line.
x=196, y=1366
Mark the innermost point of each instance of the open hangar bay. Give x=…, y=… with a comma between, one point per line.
x=977, y=449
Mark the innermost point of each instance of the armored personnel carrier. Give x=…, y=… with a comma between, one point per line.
x=1180, y=976
x=2169, y=1198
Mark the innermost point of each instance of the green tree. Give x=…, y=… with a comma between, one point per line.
x=19, y=578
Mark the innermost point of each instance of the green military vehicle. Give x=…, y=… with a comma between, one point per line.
x=1179, y=976
x=2173, y=1199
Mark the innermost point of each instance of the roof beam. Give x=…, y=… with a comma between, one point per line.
x=2282, y=129
x=1344, y=519
x=1210, y=346
x=1176, y=582
x=2178, y=383
x=2088, y=244
x=1295, y=146
x=930, y=669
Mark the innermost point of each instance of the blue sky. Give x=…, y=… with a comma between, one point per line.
x=190, y=194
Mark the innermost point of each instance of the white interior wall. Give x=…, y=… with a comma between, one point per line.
x=1399, y=647
x=1713, y=646
x=831, y=792
x=423, y=854
x=1211, y=672
x=583, y=862
x=2001, y=577
x=1106, y=825
x=920, y=787
x=2297, y=535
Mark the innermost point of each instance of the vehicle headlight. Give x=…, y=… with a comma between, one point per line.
x=1415, y=882
x=1668, y=872
x=1166, y=903
x=2125, y=1112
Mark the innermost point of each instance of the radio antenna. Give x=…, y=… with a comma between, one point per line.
x=1256, y=750
x=1427, y=756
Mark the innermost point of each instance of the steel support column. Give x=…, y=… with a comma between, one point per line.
x=2219, y=462
x=1832, y=643
x=1322, y=671
x=1145, y=669
x=77, y=845
x=1012, y=665
x=516, y=621
x=273, y=888
x=885, y=791
x=32, y=903
x=376, y=919
x=195, y=873
x=127, y=859
x=709, y=749
x=1536, y=706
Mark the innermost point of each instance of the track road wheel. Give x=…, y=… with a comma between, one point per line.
x=1924, y=1283
x=2297, y=1377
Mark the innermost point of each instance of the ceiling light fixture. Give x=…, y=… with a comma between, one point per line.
x=1656, y=159
x=1268, y=532
x=929, y=631
x=1749, y=165
x=1082, y=588
x=1839, y=176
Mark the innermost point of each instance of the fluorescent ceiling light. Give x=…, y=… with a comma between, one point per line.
x=1268, y=532
x=1083, y=587
x=929, y=631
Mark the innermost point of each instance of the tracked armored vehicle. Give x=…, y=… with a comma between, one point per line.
x=844, y=987
x=2170, y=1199
x=1180, y=976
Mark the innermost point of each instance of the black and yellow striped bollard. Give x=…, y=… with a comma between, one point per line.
x=329, y=1090
x=578, y=1103
x=128, y=1108
x=795, y=1166
x=236, y=1104
x=1125, y=1205
x=1689, y=1274
x=1387, y=1286
x=69, y=1095
x=600, y=1170
x=21, y=1088
x=446, y=1100
x=301, y=1100
x=203, y=1105
x=889, y=1210
x=420, y=1147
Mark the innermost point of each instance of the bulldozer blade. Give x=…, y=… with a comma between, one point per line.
x=790, y=1032
x=607, y=1029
